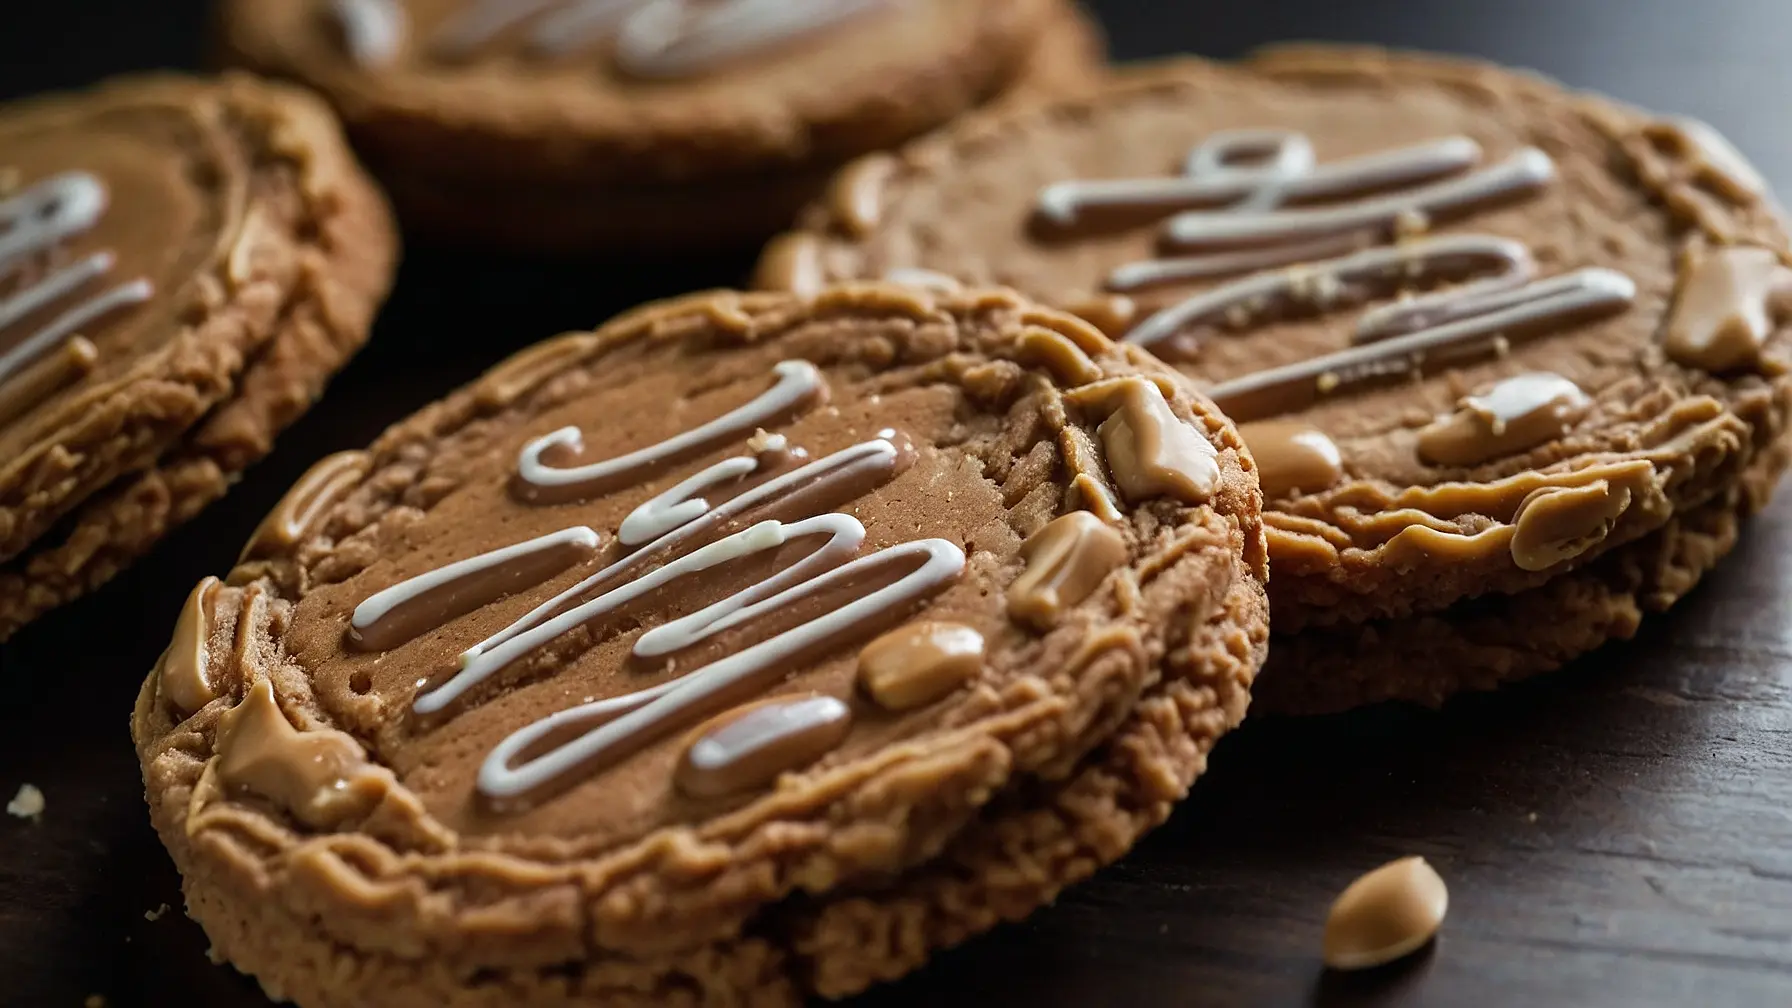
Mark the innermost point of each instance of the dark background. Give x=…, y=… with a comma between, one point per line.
x=1616, y=834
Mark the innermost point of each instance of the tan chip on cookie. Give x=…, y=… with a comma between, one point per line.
x=666, y=124
x=1485, y=338
x=698, y=652
x=183, y=264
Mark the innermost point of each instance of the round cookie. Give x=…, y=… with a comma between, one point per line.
x=1480, y=331
x=573, y=689
x=183, y=264
x=664, y=123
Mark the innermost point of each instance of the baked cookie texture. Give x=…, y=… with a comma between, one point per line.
x=192, y=259
x=441, y=736
x=654, y=124
x=1569, y=330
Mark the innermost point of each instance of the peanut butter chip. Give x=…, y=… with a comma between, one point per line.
x=322, y=486
x=857, y=194
x=750, y=746
x=1292, y=458
x=1113, y=314
x=1150, y=450
x=792, y=262
x=1389, y=913
x=1729, y=301
x=1558, y=524
x=1066, y=561
x=914, y=665
x=55, y=372
x=522, y=372
x=185, y=683
x=1057, y=354
x=321, y=777
x=1515, y=415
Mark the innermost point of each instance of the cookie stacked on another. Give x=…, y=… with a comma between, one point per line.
x=1512, y=360
x=629, y=124
x=183, y=264
x=751, y=646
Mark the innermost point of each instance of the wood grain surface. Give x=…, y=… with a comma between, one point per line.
x=1617, y=834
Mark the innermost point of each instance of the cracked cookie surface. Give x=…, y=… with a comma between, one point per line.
x=1480, y=331
x=582, y=654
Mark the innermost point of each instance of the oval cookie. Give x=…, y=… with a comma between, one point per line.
x=1429, y=288
x=183, y=264
x=749, y=595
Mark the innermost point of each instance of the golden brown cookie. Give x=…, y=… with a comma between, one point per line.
x=665, y=658
x=664, y=123
x=1479, y=331
x=183, y=264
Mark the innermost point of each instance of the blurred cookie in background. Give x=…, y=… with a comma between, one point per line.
x=1512, y=360
x=661, y=124
x=183, y=264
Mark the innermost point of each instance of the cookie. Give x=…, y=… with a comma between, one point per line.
x=660, y=123
x=1480, y=332
x=664, y=659
x=183, y=264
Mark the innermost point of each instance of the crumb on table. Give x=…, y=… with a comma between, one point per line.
x=27, y=804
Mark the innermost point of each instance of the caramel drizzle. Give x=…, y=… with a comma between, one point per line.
x=1256, y=173
x=651, y=38
x=32, y=224
x=679, y=521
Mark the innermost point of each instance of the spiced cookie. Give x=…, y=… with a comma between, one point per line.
x=183, y=264
x=672, y=124
x=750, y=646
x=1568, y=329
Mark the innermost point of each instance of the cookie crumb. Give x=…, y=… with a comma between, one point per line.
x=27, y=804
x=1531, y=818
x=156, y=914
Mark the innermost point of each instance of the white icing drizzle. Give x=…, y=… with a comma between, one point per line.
x=1259, y=170
x=34, y=222
x=1524, y=171
x=1570, y=295
x=676, y=506
x=652, y=711
x=665, y=523
x=797, y=380
x=375, y=607
x=480, y=661
x=372, y=30
x=653, y=38
x=1326, y=281
x=1240, y=184
x=677, y=38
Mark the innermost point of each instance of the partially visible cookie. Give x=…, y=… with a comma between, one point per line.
x=644, y=662
x=667, y=123
x=183, y=264
x=1480, y=331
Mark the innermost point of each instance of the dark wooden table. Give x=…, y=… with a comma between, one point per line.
x=1617, y=834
